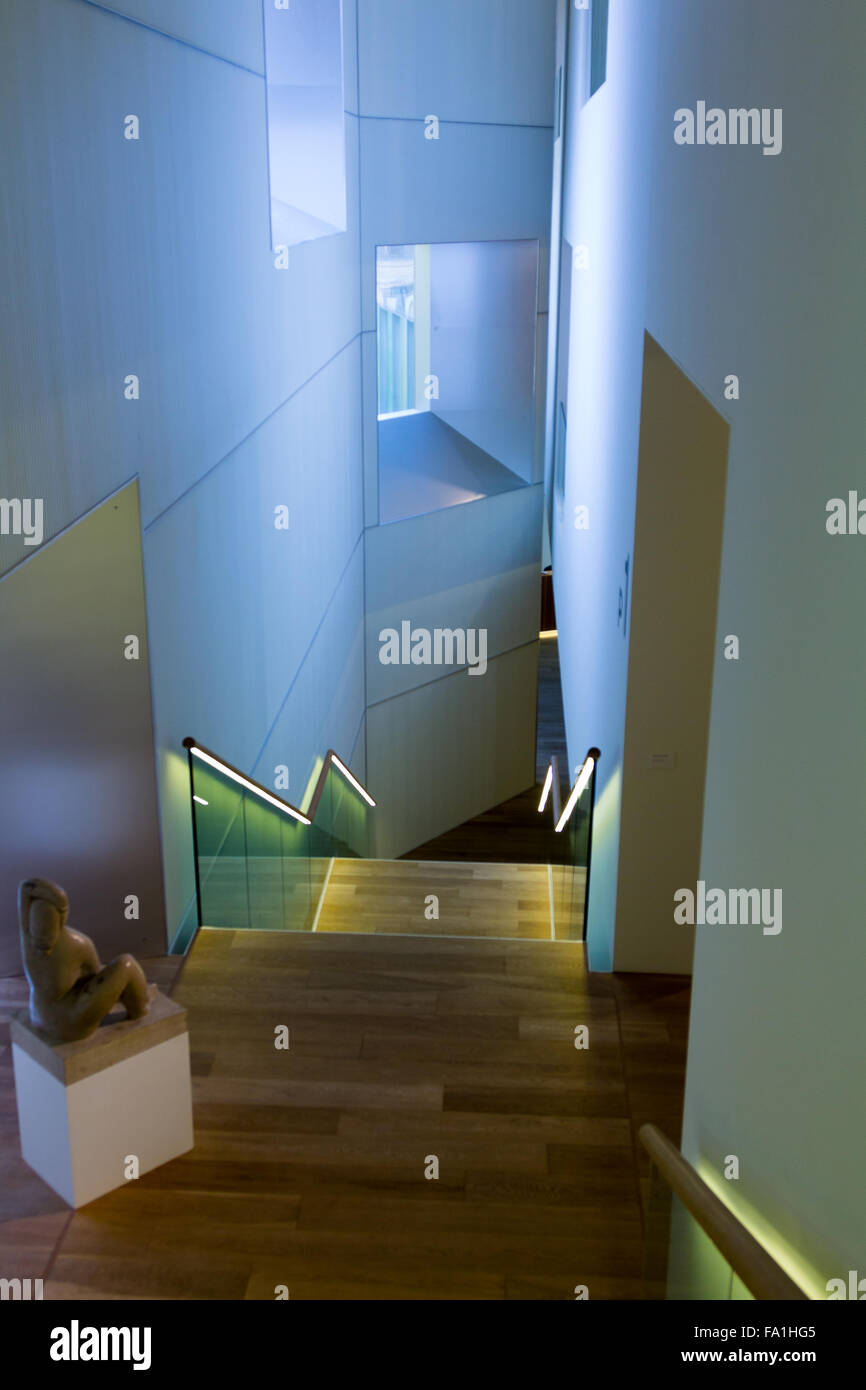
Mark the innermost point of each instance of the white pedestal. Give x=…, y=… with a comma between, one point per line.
x=86, y=1108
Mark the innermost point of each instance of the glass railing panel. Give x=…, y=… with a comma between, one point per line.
x=569, y=876
x=322, y=847
x=341, y=827
x=266, y=861
x=260, y=866
x=349, y=818
x=300, y=892
x=220, y=840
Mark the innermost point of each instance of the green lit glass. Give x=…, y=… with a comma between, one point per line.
x=221, y=848
x=569, y=875
x=259, y=868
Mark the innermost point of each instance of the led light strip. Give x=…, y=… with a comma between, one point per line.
x=577, y=791
x=353, y=781
x=545, y=790
x=250, y=786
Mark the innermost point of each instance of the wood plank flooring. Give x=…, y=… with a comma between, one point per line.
x=308, y=1168
x=520, y=901
x=480, y=900
x=512, y=832
x=32, y=1218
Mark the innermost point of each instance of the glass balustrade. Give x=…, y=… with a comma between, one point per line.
x=261, y=864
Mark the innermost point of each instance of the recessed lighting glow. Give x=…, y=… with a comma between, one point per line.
x=545, y=790
x=796, y=1265
x=576, y=792
x=201, y=801
x=249, y=786
x=549, y=632
x=353, y=781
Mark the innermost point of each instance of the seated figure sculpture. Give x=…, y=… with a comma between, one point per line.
x=70, y=990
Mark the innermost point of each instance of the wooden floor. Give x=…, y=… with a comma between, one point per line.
x=308, y=1167
x=33, y=1219
x=512, y=832
x=527, y=902
x=393, y=895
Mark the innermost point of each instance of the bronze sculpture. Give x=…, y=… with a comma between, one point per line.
x=70, y=990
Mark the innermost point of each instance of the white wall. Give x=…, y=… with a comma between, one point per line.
x=154, y=257
x=444, y=745
x=483, y=311
x=606, y=195
x=748, y=264
x=776, y=1058
x=444, y=752
x=671, y=620
x=484, y=69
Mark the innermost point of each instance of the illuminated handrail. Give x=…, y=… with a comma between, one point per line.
x=198, y=750
x=580, y=786
x=551, y=785
x=331, y=760
x=757, y=1269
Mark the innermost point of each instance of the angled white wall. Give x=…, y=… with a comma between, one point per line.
x=456, y=106
x=741, y=263
x=671, y=635
x=153, y=257
x=484, y=70
x=445, y=751
x=77, y=774
x=606, y=191
x=483, y=324
x=444, y=744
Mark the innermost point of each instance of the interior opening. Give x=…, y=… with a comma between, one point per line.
x=456, y=328
x=305, y=118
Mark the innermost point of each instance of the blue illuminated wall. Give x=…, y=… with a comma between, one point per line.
x=305, y=118
x=171, y=344
x=484, y=70
x=153, y=257
x=483, y=320
x=711, y=252
x=456, y=115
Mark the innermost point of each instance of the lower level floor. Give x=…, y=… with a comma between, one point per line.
x=431, y=1132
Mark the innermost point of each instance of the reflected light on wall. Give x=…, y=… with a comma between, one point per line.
x=791, y=1261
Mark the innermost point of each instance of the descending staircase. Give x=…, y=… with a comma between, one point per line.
x=263, y=864
x=432, y=1130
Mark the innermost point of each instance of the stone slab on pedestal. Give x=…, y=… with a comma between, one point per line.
x=85, y=1108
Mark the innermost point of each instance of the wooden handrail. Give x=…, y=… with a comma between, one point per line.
x=760, y=1273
